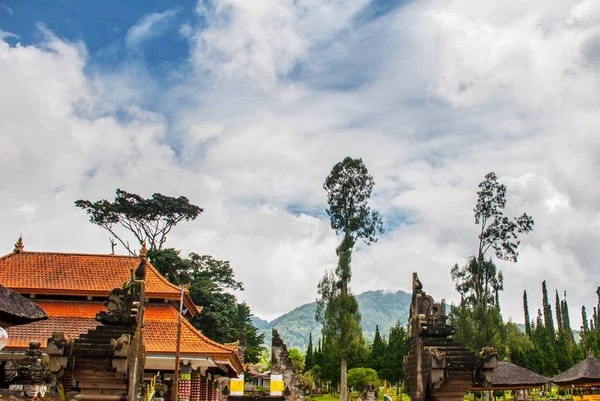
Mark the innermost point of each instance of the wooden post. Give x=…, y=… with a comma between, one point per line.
x=176, y=381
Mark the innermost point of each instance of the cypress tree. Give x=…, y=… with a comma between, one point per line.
x=584, y=321
x=559, y=319
x=567, y=321
x=309, y=358
x=526, y=312
x=549, y=366
x=377, y=351
x=317, y=355
x=548, y=318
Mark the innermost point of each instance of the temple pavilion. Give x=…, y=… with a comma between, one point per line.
x=508, y=376
x=71, y=289
x=582, y=381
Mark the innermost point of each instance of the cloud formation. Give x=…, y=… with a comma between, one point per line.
x=432, y=95
x=150, y=26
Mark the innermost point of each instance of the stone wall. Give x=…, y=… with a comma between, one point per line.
x=281, y=364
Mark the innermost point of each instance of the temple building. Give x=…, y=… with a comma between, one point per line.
x=581, y=381
x=72, y=288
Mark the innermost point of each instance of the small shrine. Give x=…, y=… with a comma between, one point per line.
x=582, y=380
x=508, y=376
x=437, y=368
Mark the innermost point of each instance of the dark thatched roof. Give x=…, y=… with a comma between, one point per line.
x=587, y=370
x=510, y=375
x=16, y=309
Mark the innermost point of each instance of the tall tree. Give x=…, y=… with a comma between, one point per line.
x=479, y=281
x=397, y=348
x=349, y=186
x=149, y=220
x=549, y=365
x=548, y=318
x=566, y=320
x=526, y=312
x=378, y=349
x=309, y=358
x=559, y=319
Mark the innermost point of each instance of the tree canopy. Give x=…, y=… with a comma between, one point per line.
x=149, y=220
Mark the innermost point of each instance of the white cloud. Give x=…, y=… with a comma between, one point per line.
x=432, y=96
x=149, y=26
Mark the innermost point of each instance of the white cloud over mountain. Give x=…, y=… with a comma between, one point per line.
x=432, y=96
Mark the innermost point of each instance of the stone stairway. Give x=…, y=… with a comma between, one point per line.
x=93, y=371
x=460, y=365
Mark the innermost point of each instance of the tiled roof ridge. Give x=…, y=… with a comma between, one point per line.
x=7, y=255
x=162, y=278
x=69, y=254
x=199, y=334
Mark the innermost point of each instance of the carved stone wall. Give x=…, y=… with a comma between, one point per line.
x=281, y=364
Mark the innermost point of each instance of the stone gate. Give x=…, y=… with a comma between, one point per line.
x=437, y=368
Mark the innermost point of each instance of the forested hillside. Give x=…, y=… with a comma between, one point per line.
x=376, y=307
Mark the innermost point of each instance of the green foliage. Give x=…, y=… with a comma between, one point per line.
x=148, y=220
x=548, y=318
x=549, y=365
x=590, y=330
x=309, y=358
x=476, y=326
x=358, y=378
x=378, y=349
x=297, y=359
x=397, y=348
x=478, y=283
x=349, y=187
x=516, y=346
x=552, y=350
x=497, y=231
x=308, y=382
x=526, y=313
x=262, y=390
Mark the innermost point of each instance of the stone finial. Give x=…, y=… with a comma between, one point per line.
x=19, y=245
x=143, y=251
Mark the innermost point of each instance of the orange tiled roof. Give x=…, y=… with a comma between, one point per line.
x=159, y=332
x=80, y=274
x=43, y=272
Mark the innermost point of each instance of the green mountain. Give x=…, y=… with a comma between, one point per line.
x=376, y=308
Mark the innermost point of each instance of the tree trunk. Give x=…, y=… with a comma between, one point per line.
x=344, y=380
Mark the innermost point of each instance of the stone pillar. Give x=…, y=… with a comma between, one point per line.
x=281, y=364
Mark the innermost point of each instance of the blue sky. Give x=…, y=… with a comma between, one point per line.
x=244, y=107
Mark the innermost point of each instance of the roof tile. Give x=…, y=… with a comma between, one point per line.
x=66, y=273
x=159, y=332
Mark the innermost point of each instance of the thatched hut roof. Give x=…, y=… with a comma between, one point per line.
x=510, y=376
x=16, y=309
x=586, y=371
